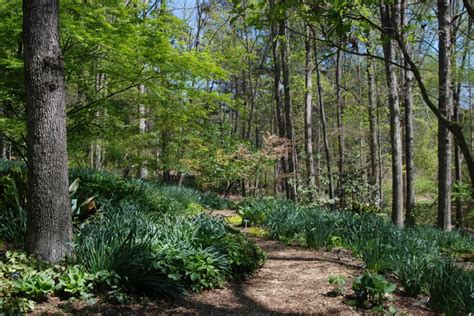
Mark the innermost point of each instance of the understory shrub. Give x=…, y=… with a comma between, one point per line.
x=12, y=202
x=148, y=195
x=164, y=255
x=451, y=289
x=24, y=281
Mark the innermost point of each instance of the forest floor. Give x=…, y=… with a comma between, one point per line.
x=294, y=280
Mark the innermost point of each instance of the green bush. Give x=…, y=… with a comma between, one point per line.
x=121, y=240
x=164, y=255
x=370, y=289
x=451, y=289
x=24, y=281
x=12, y=202
x=214, y=201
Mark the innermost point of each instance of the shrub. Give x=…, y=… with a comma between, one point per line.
x=24, y=280
x=121, y=241
x=214, y=201
x=370, y=289
x=338, y=281
x=451, y=289
x=318, y=229
x=12, y=202
x=252, y=212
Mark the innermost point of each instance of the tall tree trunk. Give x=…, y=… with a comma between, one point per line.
x=309, y=111
x=457, y=117
x=285, y=51
x=322, y=117
x=389, y=17
x=340, y=124
x=279, y=102
x=409, y=129
x=143, y=174
x=373, y=141
x=49, y=227
x=445, y=107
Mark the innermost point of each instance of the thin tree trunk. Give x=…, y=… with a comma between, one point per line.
x=49, y=228
x=143, y=174
x=444, y=106
x=457, y=117
x=309, y=111
x=373, y=141
x=322, y=117
x=340, y=124
x=389, y=17
x=409, y=129
x=279, y=102
x=285, y=51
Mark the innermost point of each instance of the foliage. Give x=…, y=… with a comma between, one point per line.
x=214, y=201
x=451, y=288
x=147, y=195
x=251, y=212
x=121, y=241
x=164, y=255
x=370, y=289
x=235, y=220
x=24, y=281
x=12, y=201
x=338, y=281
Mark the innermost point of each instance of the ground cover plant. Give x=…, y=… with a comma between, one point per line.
x=141, y=239
x=415, y=256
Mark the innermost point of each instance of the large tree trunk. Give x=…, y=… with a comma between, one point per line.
x=309, y=111
x=49, y=213
x=389, y=16
x=340, y=124
x=445, y=107
x=285, y=51
x=322, y=117
x=409, y=129
x=373, y=141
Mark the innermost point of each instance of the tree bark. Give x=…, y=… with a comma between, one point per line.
x=457, y=118
x=322, y=116
x=285, y=51
x=309, y=111
x=279, y=102
x=49, y=227
x=389, y=17
x=445, y=107
x=340, y=124
x=143, y=173
x=409, y=128
x=373, y=141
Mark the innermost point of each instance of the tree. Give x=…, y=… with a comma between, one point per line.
x=49, y=215
x=389, y=17
x=309, y=110
x=445, y=107
x=409, y=128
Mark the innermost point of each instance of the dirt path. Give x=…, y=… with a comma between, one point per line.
x=292, y=281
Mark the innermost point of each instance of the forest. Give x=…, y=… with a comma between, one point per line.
x=236, y=157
